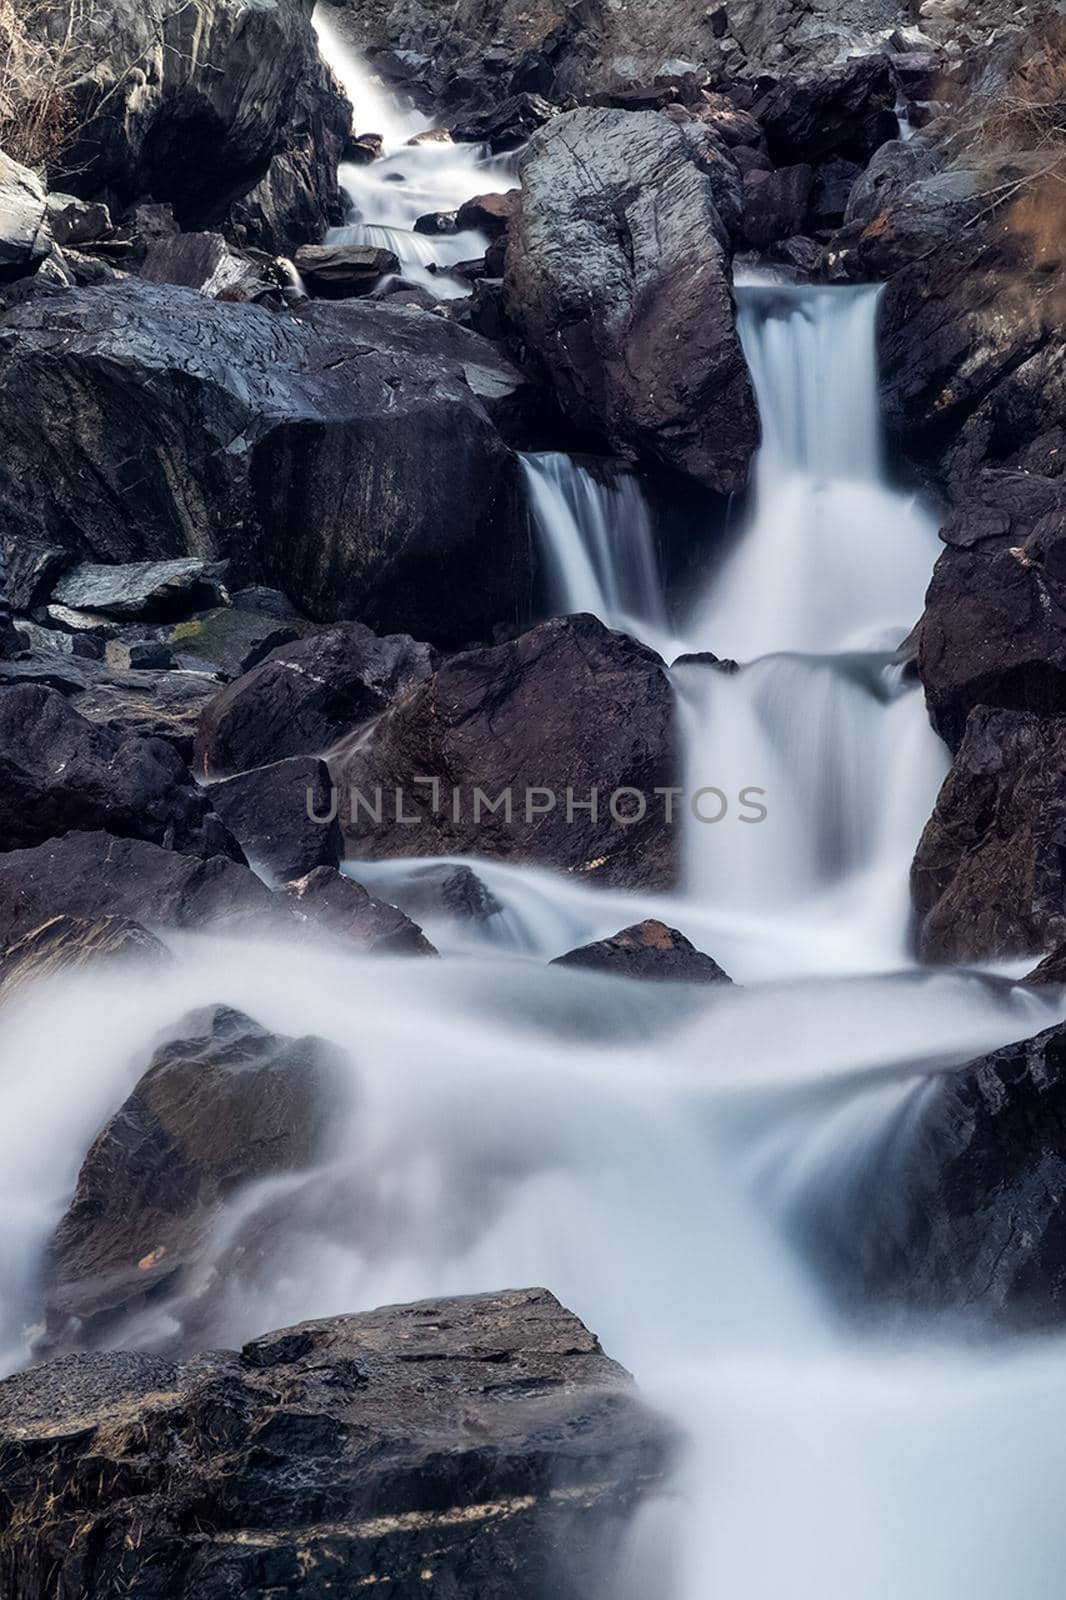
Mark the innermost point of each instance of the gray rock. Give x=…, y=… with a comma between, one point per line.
x=231, y=642
x=151, y=590
x=137, y=655
x=25, y=238
x=207, y=262
x=75, y=221
x=28, y=569
x=335, y=905
x=444, y=889
x=339, y=271
x=271, y=812
x=69, y=944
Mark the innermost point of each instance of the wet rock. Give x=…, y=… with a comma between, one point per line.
x=271, y=812
x=230, y=642
x=153, y=705
x=618, y=276
x=775, y=204
x=365, y=149
x=149, y=590
x=489, y=213
x=444, y=889
x=307, y=695
x=223, y=1103
x=833, y=183
x=508, y=125
x=25, y=238
x=988, y=877
x=268, y=602
x=74, y=222
x=846, y=111
x=566, y=709
x=338, y=271
x=335, y=905
x=354, y=458
x=649, y=951
x=298, y=198
x=28, y=570
x=207, y=262
x=438, y=222
x=66, y=944
x=487, y=1440
x=61, y=773
x=805, y=256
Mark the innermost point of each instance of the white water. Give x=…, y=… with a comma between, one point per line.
x=387, y=197
x=643, y=1151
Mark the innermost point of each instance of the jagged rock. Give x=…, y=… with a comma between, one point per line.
x=508, y=125
x=154, y=705
x=775, y=204
x=307, y=695
x=650, y=951
x=223, y=1103
x=75, y=221
x=298, y=198
x=847, y=111
x=988, y=877
x=35, y=640
x=438, y=222
x=65, y=943
x=28, y=569
x=444, y=889
x=271, y=812
x=569, y=706
x=337, y=905
x=618, y=276
x=149, y=590
x=60, y=773
x=833, y=184
x=338, y=271
x=25, y=237
x=487, y=1441
x=230, y=642
x=352, y=457
x=207, y=262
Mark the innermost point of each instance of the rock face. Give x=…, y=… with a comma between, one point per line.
x=25, y=237
x=568, y=708
x=988, y=878
x=305, y=696
x=65, y=943
x=223, y=1104
x=58, y=772
x=352, y=461
x=650, y=951
x=271, y=811
x=964, y=1203
x=488, y=1442
x=618, y=277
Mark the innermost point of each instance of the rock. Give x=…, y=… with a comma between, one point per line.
x=90, y=624
x=1052, y=970
x=487, y=1440
x=365, y=149
x=271, y=812
x=438, y=222
x=489, y=213
x=508, y=125
x=223, y=1103
x=28, y=570
x=152, y=591
x=306, y=696
x=331, y=903
x=75, y=221
x=833, y=183
x=232, y=642
x=650, y=951
x=847, y=111
x=444, y=889
x=154, y=705
x=298, y=199
x=93, y=875
x=988, y=878
x=25, y=238
x=65, y=943
x=568, y=707
x=618, y=276
x=207, y=262
x=61, y=773
x=36, y=640
x=775, y=204
x=268, y=602
x=803, y=255
x=137, y=655
x=338, y=271
x=353, y=457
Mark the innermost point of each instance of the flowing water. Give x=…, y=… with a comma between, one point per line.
x=643, y=1152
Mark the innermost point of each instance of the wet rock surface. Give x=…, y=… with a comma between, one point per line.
x=272, y=812
x=649, y=951
x=67, y=944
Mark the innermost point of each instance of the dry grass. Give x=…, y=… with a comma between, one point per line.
x=41, y=60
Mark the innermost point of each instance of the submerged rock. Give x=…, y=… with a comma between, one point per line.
x=483, y=1446
x=650, y=951
x=618, y=277
x=66, y=943
x=444, y=889
x=336, y=906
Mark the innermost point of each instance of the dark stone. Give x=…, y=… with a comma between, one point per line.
x=649, y=951
x=268, y=602
x=508, y=125
x=335, y=905
x=36, y=641
x=28, y=570
x=223, y=1104
x=150, y=590
x=271, y=810
x=209, y=263
x=487, y=1440
x=444, y=889
x=989, y=876
x=775, y=204
x=803, y=255
x=231, y=642
x=846, y=111
x=489, y=213
x=61, y=773
x=25, y=237
x=67, y=944
x=153, y=705
x=830, y=192
x=305, y=696
x=618, y=276
x=365, y=149
x=137, y=655
x=338, y=271
x=568, y=706
x=437, y=222
x=74, y=222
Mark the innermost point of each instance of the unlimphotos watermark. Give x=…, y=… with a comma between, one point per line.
x=407, y=805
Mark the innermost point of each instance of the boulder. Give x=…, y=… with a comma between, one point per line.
x=223, y=1103
x=207, y=262
x=566, y=714
x=353, y=458
x=230, y=642
x=35, y=640
x=846, y=111
x=274, y=813
x=335, y=905
x=338, y=271
x=508, y=125
x=833, y=183
x=989, y=877
x=149, y=590
x=649, y=951
x=65, y=944
x=298, y=199
x=775, y=204
x=306, y=696
x=444, y=889
x=28, y=570
x=154, y=705
x=487, y=1441
x=137, y=655
x=267, y=602
x=74, y=222
x=489, y=213
x=61, y=773
x=618, y=277
x=25, y=237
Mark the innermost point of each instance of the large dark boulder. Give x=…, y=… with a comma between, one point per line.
x=618, y=277
x=351, y=458
x=339, y=271
x=567, y=709
x=337, y=908
x=305, y=696
x=846, y=112
x=482, y=1447
x=25, y=235
x=650, y=951
x=274, y=811
x=222, y=1104
x=60, y=772
x=989, y=876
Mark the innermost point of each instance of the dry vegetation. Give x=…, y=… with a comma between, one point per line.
x=41, y=59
